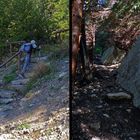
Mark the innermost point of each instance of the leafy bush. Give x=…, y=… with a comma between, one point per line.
x=23, y=126
x=8, y=78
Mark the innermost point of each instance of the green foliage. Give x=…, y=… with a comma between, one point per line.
x=122, y=23
x=27, y=19
x=124, y=7
x=101, y=42
x=8, y=78
x=23, y=126
x=98, y=50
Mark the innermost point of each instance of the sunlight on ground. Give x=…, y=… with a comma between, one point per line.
x=30, y=95
x=96, y=138
x=106, y=138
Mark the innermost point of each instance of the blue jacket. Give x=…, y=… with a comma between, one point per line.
x=26, y=47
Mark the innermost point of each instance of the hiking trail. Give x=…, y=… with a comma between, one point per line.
x=40, y=112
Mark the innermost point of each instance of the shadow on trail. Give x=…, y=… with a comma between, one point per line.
x=96, y=117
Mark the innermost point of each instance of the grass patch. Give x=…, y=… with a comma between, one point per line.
x=23, y=126
x=9, y=77
x=29, y=95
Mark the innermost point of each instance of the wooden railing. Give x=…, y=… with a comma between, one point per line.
x=10, y=59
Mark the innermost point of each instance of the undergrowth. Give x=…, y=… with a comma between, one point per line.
x=23, y=126
x=41, y=73
x=10, y=77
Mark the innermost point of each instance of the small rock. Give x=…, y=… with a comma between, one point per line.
x=126, y=120
x=62, y=74
x=63, y=87
x=107, y=77
x=118, y=96
x=130, y=138
x=128, y=110
x=120, y=89
x=114, y=125
x=75, y=93
x=100, y=106
x=31, y=105
x=90, y=87
x=93, y=95
x=106, y=115
x=20, y=82
x=95, y=138
x=2, y=128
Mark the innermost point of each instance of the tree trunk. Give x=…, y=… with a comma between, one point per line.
x=76, y=33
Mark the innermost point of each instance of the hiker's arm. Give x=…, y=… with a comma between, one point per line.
x=21, y=48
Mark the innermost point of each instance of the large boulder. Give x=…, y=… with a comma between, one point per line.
x=129, y=72
x=112, y=55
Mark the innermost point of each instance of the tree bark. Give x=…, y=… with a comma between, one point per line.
x=76, y=33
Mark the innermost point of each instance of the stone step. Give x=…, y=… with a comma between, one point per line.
x=19, y=88
x=6, y=100
x=118, y=96
x=20, y=81
x=37, y=59
x=7, y=93
x=29, y=74
x=6, y=107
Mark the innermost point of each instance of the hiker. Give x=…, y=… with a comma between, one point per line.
x=27, y=49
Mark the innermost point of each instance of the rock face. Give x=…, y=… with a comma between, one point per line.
x=112, y=56
x=129, y=73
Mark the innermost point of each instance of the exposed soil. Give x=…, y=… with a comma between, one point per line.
x=95, y=117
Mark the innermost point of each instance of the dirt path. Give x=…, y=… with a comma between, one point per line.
x=43, y=112
x=95, y=117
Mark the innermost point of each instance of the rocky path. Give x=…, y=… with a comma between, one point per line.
x=102, y=110
x=12, y=91
x=42, y=114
